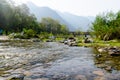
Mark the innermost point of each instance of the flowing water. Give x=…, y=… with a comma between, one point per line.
x=55, y=61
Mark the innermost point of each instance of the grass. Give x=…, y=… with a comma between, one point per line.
x=101, y=43
x=95, y=43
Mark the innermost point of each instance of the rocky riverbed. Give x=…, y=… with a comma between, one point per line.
x=21, y=60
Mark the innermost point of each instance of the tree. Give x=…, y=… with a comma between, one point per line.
x=107, y=27
x=52, y=26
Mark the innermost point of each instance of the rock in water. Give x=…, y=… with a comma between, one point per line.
x=101, y=50
x=17, y=77
x=99, y=78
x=99, y=73
x=114, y=53
x=80, y=77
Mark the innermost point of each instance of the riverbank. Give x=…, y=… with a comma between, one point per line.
x=79, y=41
x=96, y=43
x=101, y=44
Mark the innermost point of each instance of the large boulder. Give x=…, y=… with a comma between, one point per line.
x=70, y=41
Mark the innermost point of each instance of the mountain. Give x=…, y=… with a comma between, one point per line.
x=73, y=22
x=41, y=12
x=78, y=22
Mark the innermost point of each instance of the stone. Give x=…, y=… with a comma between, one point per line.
x=27, y=78
x=36, y=79
x=99, y=78
x=101, y=50
x=80, y=77
x=36, y=40
x=42, y=79
x=99, y=73
x=27, y=73
x=113, y=53
x=16, y=77
x=86, y=40
x=101, y=65
x=65, y=42
x=98, y=55
x=108, y=68
x=72, y=43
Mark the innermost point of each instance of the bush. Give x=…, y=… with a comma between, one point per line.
x=29, y=33
x=44, y=35
x=107, y=26
x=25, y=34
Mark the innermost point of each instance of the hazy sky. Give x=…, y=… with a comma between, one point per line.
x=79, y=7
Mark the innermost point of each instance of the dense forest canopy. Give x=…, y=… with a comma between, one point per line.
x=18, y=19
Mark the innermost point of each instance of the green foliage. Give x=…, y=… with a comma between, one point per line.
x=52, y=26
x=107, y=26
x=18, y=20
x=44, y=35
x=15, y=18
x=29, y=33
x=26, y=34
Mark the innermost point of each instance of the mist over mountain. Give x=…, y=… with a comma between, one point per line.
x=73, y=22
x=78, y=22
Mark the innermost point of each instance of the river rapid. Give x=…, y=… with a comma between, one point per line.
x=25, y=60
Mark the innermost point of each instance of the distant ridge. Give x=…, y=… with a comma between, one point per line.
x=73, y=22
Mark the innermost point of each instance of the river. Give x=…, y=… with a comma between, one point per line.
x=54, y=61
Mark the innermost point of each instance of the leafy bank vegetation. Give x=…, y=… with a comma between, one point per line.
x=107, y=26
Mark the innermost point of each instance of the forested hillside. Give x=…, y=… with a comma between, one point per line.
x=18, y=19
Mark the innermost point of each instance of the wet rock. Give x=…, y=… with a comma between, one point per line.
x=108, y=68
x=113, y=48
x=24, y=62
x=72, y=43
x=49, y=40
x=17, y=66
x=80, y=77
x=27, y=73
x=99, y=78
x=36, y=40
x=2, y=69
x=99, y=73
x=86, y=40
x=5, y=75
x=65, y=42
x=101, y=65
x=16, y=77
x=98, y=55
x=101, y=50
x=114, y=52
x=71, y=39
x=46, y=65
x=26, y=78
x=42, y=79
x=61, y=76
